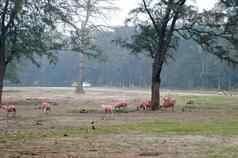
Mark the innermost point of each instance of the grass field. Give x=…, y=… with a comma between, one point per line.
x=207, y=128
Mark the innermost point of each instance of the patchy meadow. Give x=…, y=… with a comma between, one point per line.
x=206, y=126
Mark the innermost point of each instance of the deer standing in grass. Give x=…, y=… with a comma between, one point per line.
x=119, y=104
x=45, y=107
x=108, y=109
x=145, y=105
x=9, y=109
x=168, y=102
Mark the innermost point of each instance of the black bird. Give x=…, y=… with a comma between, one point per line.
x=93, y=126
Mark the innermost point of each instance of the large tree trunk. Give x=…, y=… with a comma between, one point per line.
x=155, y=97
x=2, y=75
x=155, y=89
x=2, y=69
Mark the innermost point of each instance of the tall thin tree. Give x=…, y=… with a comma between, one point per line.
x=91, y=13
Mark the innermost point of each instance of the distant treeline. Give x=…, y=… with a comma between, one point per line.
x=190, y=68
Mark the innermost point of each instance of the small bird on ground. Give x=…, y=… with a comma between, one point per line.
x=93, y=125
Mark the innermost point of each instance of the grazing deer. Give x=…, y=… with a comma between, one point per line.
x=119, y=104
x=168, y=102
x=108, y=108
x=145, y=105
x=45, y=107
x=9, y=109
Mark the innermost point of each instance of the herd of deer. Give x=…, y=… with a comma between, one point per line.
x=167, y=102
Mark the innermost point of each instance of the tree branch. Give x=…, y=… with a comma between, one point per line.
x=151, y=17
x=14, y=12
x=181, y=2
x=3, y=17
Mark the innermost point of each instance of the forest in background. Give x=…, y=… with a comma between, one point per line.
x=189, y=68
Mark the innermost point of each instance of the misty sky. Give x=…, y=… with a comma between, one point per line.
x=125, y=6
